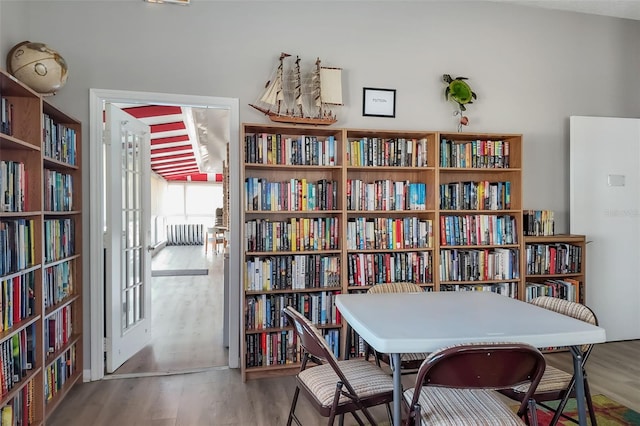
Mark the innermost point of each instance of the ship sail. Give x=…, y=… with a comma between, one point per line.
x=293, y=97
x=331, y=85
x=273, y=92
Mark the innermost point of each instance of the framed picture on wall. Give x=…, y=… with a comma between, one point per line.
x=378, y=102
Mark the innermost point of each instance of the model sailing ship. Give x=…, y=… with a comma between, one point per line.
x=297, y=98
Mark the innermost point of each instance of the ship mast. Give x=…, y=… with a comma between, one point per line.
x=298, y=87
x=280, y=94
x=317, y=91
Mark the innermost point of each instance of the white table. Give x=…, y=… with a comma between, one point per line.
x=424, y=322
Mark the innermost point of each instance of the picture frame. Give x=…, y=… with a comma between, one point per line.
x=378, y=102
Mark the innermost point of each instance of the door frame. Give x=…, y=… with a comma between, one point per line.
x=95, y=261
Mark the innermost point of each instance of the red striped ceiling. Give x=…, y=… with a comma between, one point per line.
x=172, y=152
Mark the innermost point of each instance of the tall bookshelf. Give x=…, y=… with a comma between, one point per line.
x=443, y=210
x=293, y=219
x=480, y=213
x=40, y=234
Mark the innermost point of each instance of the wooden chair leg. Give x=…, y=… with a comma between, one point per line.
x=533, y=413
x=587, y=393
x=293, y=407
x=563, y=403
x=415, y=416
x=334, y=406
x=389, y=413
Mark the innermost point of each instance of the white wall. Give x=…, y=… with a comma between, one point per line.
x=158, y=187
x=531, y=68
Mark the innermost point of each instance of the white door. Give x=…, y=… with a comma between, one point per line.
x=127, y=234
x=605, y=206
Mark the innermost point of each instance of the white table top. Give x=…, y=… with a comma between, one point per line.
x=424, y=322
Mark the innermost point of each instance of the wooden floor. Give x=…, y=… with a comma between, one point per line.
x=218, y=396
x=186, y=315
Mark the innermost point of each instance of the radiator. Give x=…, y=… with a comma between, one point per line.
x=185, y=235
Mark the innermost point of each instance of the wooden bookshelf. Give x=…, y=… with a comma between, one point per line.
x=42, y=204
x=555, y=266
x=443, y=210
x=480, y=212
x=293, y=216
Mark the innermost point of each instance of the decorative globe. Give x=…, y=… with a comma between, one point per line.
x=38, y=66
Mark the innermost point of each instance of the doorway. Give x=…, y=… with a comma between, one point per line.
x=98, y=98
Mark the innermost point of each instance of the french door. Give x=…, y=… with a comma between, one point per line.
x=127, y=236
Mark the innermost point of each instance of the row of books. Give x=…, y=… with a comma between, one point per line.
x=291, y=195
x=386, y=233
x=385, y=195
x=559, y=258
x=60, y=141
x=264, y=148
x=58, y=283
x=296, y=234
x=392, y=152
x=479, y=265
x=505, y=289
x=566, y=288
x=356, y=345
x=265, y=311
x=58, y=191
x=481, y=154
x=59, y=241
x=58, y=329
x=6, y=116
x=282, y=347
x=20, y=410
x=538, y=222
x=482, y=195
x=17, y=299
x=366, y=269
x=274, y=348
x=13, y=186
x=17, y=245
x=291, y=272
x=17, y=356
x=58, y=372
x=478, y=229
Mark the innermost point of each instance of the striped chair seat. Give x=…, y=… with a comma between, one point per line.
x=365, y=378
x=552, y=380
x=357, y=384
x=413, y=357
x=554, y=385
x=455, y=407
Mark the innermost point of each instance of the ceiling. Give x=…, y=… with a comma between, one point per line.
x=629, y=9
x=187, y=143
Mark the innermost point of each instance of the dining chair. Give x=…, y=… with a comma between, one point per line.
x=454, y=385
x=556, y=384
x=335, y=387
x=409, y=362
x=215, y=237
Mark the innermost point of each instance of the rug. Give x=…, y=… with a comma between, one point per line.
x=178, y=272
x=608, y=413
